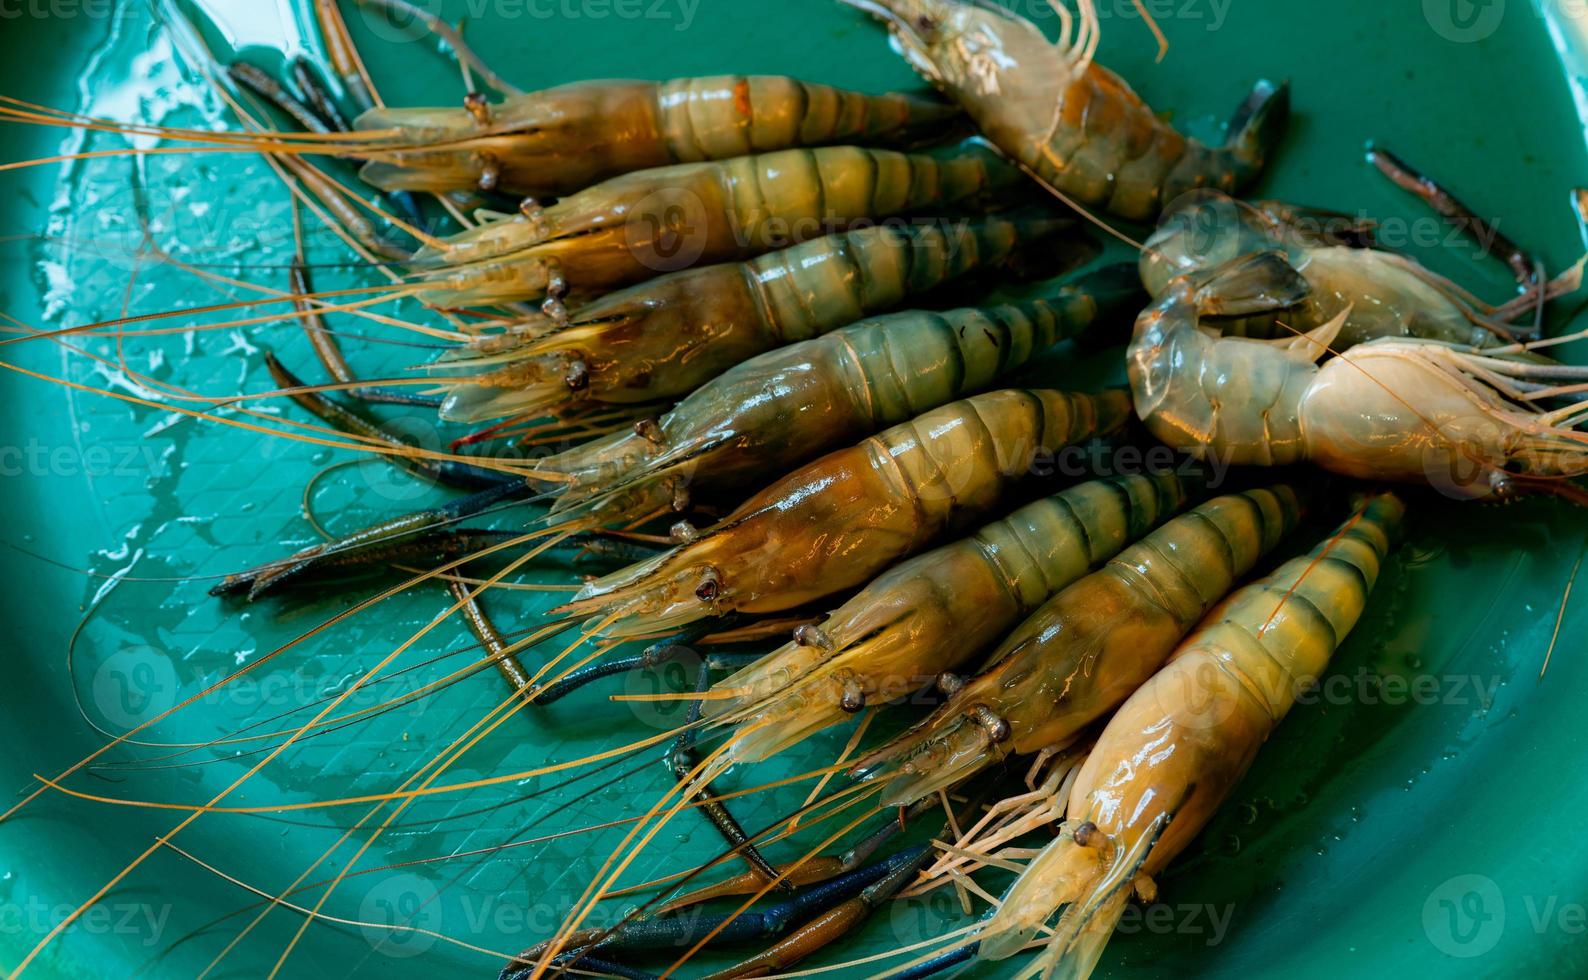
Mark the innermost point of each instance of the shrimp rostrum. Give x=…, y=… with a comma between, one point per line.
x=666, y=337
x=1072, y=123
x=1086, y=649
x=642, y=224
x=838, y=521
x=1174, y=750
x=563, y=139
x=1402, y=409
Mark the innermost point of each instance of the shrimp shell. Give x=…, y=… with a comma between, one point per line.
x=563, y=139
x=1086, y=649
x=1074, y=124
x=1407, y=410
x=836, y=522
x=642, y=224
x=786, y=406
x=667, y=337
x=937, y=611
x=1176, y=747
x=1389, y=295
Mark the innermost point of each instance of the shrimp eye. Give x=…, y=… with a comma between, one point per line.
x=710, y=586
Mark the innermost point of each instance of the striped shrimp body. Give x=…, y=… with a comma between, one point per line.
x=563, y=139
x=838, y=521
x=639, y=225
x=936, y=611
x=1073, y=123
x=666, y=337
x=1406, y=410
x=1170, y=755
x=1087, y=648
x=785, y=407
x=1389, y=295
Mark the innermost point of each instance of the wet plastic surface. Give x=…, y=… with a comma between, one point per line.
x=1422, y=814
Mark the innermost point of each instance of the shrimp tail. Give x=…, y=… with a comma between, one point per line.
x=1263, y=282
x=1256, y=129
x=1087, y=872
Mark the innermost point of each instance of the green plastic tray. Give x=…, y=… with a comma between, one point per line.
x=1423, y=818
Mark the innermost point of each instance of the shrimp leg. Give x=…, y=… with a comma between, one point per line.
x=502, y=657
x=811, y=870
x=330, y=352
x=1175, y=749
x=319, y=115
x=655, y=655
x=836, y=904
x=684, y=760
x=428, y=528
x=368, y=543
x=317, y=97
x=1527, y=269
x=445, y=472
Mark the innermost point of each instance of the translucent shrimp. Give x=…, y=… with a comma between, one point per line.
x=836, y=522
x=935, y=612
x=1389, y=295
x=1073, y=123
x=643, y=224
x=1087, y=648
x=1404, y=409
x=1171, y=754
x=786, y=406
x=563, y=139
x=666, y=337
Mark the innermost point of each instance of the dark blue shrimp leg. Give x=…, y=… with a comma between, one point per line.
x=661, y=652
x=322, y=102
x=833, y=924
x=462, y=476
x=682, y=931
x=256, y=581
x=936, y=964
x=684, y=760
x=330, y=352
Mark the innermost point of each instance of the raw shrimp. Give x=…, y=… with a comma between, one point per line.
x=1394, y=409
x=1389, y=295
x=936, y=611
x=785, y=407
x=564, y=139
x=1172, y=752
x=836, y=522
x=1072, y=123
x=1087, y=648
x=666, y=337
x=642, y=224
